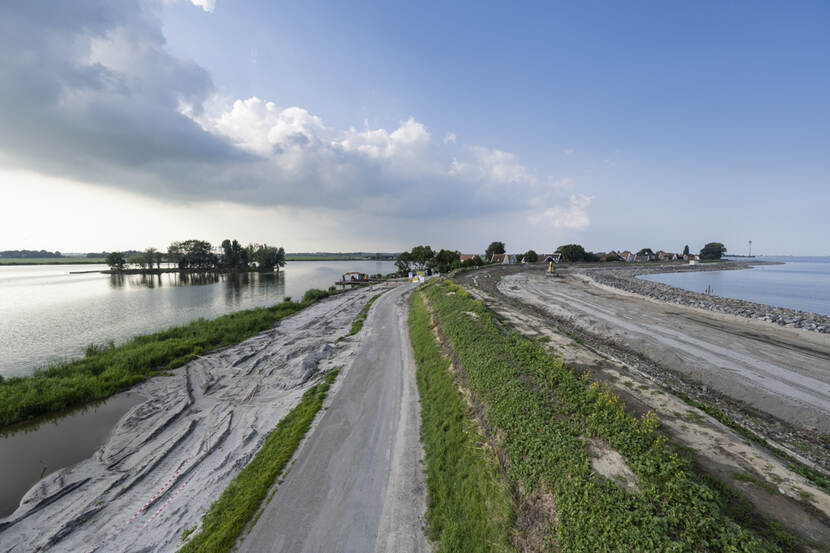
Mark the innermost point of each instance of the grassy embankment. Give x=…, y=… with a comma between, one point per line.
x=470, y=506
x=228, y=516
x=544, y=414
x=107, y=370
x=50, y=260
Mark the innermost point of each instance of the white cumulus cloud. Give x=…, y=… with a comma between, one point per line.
x=207, y=5
x=572, y=216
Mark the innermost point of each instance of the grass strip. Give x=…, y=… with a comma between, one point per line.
x=547, y=413
x=241, y=500
x=361, y=317
x=470, y=507
x=107, y=370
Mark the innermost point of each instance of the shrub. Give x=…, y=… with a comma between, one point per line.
x=314, y=294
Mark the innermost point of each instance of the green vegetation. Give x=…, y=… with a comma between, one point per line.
x=575, y=252
x=41, y=254
x=531, y=256
x=313, y=294
x=545, y=414
x=50, y=260
x=107, y=370
x=446, y=260
x=241, y=500
x=358, y=321
x=494, y=248
x=418, y=259
x=470, y=507
x=713, y=250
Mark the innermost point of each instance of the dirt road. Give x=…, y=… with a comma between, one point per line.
x=357, y=484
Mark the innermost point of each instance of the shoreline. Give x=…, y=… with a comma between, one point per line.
x=625, y=278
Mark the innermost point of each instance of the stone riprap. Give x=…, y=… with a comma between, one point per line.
x=623, y=277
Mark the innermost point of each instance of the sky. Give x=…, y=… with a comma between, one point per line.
x=360, y=126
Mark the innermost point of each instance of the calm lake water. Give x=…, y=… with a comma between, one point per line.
x=801, y=283
x=34, y=449
x=48, y=315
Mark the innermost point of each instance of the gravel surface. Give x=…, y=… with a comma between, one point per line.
x=624, y=276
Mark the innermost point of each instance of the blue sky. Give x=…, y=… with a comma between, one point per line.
x=611, y=124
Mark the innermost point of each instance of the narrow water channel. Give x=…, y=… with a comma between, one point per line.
x=30, y=451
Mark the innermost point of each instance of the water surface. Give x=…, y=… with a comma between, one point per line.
x=800, y=283
x=48, y=314
x=31, y=450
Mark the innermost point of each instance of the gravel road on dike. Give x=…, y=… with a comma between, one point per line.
x=357, y=485
x=170, y=457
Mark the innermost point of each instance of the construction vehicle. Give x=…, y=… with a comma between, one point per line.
x=552, y=260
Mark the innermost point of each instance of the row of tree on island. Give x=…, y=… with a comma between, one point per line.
x=200, y=255
x=423, y=257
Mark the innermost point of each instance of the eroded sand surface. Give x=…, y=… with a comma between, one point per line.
x=170, y=457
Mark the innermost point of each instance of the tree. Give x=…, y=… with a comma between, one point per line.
x=474, y=261
x=493, y=248
x=268, y=257
x=447, y=260
x=234, y=255
x=195, y=254
x=116, y=261
x=713, y=250
x=531, y=256
x=571, y=252
x=150, y=257
x=646, y=251
x=686, y=250
x=138, y=259
x=175, y=254
x=421, y=256
x=403, y=263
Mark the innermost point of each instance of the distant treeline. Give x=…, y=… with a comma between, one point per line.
x=29, y=254
x=99, y=255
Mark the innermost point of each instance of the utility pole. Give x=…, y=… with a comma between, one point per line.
x=750, y=249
